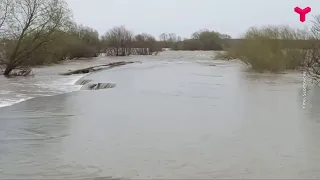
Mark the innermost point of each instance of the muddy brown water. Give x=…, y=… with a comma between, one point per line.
x=171, y=116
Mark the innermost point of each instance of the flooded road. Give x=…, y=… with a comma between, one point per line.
x=175, y=116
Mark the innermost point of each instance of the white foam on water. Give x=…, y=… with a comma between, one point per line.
x=63, y=84
x=60, y=85
x=9, y=102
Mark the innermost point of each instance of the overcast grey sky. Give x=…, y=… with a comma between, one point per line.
x=184, y=17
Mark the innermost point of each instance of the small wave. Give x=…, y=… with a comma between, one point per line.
x=61, y=85
x=9, y=102
x=44, y=88
x=5, y=92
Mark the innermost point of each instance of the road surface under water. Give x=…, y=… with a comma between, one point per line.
x=176, y=117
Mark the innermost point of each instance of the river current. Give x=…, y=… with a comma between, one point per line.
x=178, y=115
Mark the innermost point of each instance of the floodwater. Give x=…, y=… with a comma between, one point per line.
x=176, y=115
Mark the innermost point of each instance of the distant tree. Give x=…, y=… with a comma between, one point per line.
x=146, y=43
x=192, y=44
x=164, y=37
x=119, y=41
x=202, y=40
x=196, y=35
x=83, y=41
x=210, y=40
x=172, y=37
x=89, y=35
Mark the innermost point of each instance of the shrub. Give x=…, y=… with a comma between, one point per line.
x=270, y=48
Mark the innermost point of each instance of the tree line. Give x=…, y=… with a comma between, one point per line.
x=200, y=40
x=35, y=32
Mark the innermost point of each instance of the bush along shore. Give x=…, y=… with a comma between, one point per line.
x=279, y=48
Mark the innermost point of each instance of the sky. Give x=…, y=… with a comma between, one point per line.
x=183, y=17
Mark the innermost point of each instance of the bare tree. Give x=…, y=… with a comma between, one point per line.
x=164, y=37
x=172, y=37
x=89, y=35
x=31, y=24
x=312, y=59
x=196, y=35
x=5, y=6
x=145, y=44
x=119, y=41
